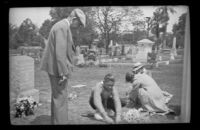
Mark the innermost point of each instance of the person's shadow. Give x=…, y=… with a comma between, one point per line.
x=41, y=120
x=176, y=109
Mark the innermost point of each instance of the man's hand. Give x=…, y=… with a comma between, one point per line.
x=63, y=78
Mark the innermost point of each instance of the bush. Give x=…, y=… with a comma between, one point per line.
x=103, y=65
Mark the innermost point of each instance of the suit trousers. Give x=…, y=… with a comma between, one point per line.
x=59, y=102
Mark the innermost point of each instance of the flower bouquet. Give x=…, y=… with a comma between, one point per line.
x=135, y=116
x=25, y=106
x=72, y=96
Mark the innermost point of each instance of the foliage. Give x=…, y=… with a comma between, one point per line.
x=160, y=21
x=84, y=36
x=45, y=28
x=26, y=31
x=110, y=20
x=14, y=38
x=179, y=29
x=38, y=41
x=127, y=38
x=138, y=35
x=100, y=44
x=107, y=20
x=138, y=24
x=169, y=39
x=25, y=35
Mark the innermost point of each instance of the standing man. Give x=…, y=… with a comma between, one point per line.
x=57, y=61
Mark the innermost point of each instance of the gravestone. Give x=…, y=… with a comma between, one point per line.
x=22, y=78
x=174, y=51
x=172, y=56
x=144, y=47
x=80, y=59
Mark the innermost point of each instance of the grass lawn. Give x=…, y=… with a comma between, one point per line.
x=169, y=78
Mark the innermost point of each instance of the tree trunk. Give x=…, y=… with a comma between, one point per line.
x=122, y=52
x=107, y=39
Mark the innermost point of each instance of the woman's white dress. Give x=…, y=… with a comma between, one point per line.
x=150, y=95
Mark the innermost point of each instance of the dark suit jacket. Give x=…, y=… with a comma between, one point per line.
x=58, y=55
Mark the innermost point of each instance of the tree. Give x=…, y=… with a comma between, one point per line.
x=83, y=36
x=108, y=19
x=12, y=36
x=148, y=25
x=138, y=35
x=12, y=29
x=160, y=21
x=27, y=31
x=169, y=39
x=139, y=24
x=45, y=28
x=179, y=29
x=58, y=13
x=127, y=38
x=139, y=30
x=38, y=40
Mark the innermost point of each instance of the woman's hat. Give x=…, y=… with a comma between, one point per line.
x=137, y=66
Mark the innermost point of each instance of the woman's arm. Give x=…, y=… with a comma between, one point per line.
x=136, y=84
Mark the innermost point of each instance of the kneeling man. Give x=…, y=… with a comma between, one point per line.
x=105, y=100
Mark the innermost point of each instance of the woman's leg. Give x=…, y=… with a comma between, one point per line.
x=151, y=103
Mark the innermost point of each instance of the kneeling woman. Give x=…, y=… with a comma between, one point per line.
x=146, y=90
x=104, y=99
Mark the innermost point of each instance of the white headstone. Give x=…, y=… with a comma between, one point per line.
x=78, y=50
x=109, y=60
x=174, y=47
x=172, y=56
x=80, y=59
x=174, y=42
x=111, y=43
x=144, y=47
x=160, y=58
x=96, y=62
x=22, y=77
x=103, y=60
x=115, y=59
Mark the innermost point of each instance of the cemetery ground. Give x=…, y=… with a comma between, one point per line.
x=168, y=77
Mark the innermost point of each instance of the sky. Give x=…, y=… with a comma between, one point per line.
x=39, y=14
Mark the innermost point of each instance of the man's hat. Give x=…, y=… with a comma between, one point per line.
x=137, y=66
x=80, y=14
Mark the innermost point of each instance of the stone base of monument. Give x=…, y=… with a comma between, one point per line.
x=34, y=93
